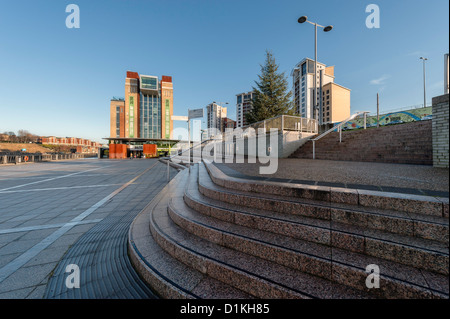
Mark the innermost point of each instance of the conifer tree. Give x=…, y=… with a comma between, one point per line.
x=271, y=96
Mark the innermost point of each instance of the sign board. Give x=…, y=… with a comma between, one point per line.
x=193, y=114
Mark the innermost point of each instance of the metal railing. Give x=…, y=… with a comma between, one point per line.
x=287, y=123
x=16, y=158
x=190, y=150
x=338, y=127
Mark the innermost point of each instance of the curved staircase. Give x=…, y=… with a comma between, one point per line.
x=208, y=235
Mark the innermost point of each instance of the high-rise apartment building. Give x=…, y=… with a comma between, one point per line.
x=146, y=110
x=215, y=115
x=243, y=106
x=332, y=105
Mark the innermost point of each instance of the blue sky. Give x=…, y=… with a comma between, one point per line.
x=59, y=81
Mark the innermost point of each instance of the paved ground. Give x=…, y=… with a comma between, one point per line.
x=73, y=212
x=411, y=179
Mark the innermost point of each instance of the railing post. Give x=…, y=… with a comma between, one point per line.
x=314, y=149
x=340, y=134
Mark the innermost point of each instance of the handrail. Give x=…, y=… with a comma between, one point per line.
x=339, y=125
x=178, y=154
x=339, y=128
x=190, y=148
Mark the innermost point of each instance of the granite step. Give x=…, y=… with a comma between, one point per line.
x=418, y=204
x=255, y=276
x=427, y=227
x=333, y=264
x=167, y=276
x=416, y=252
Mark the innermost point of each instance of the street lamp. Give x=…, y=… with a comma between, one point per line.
x=424, y=83
x=304, y=19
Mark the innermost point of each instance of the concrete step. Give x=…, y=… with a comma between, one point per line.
x=317, y=259
x=407, y=203
x=255, y=276
x=307, y=211
x=399, y=248
x=168, y=277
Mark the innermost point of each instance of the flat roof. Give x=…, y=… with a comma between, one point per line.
x=332, y=83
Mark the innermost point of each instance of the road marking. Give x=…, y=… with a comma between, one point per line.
x=35, y=177
x=48, y=226
x=51, y=179
x=21, y=260
x=55, y=188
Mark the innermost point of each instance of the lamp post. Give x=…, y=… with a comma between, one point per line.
x=304, y=19
x=424, y=83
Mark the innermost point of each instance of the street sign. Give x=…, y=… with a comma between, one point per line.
x=193, y=114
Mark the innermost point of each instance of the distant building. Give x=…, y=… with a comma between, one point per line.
x=335, y=103
x=303, y=85
x=215, y=115
x=228, y=123
x=146, y=110
x=243, y=106
x=81, y=145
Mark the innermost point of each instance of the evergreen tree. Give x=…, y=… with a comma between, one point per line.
x=271, y=96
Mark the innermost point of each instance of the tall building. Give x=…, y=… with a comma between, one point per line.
x=215, y=115
x=228, y=123
x=243, y=106
x=334, y=105
x=146, y=110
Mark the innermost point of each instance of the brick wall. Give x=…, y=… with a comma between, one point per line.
x=440, y=130
x=408, y=143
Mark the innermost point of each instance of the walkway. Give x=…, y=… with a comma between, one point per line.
x=74, y=212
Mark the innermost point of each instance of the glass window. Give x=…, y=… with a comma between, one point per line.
x=303, y=68
x=149, y=83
